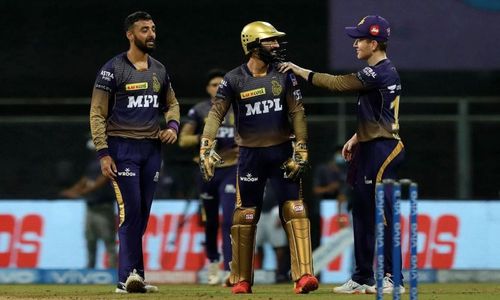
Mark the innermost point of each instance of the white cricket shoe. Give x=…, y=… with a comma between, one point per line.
x=135, y=283
x=213, y=273
x=387, y=287
x=226, y=282
x=151, y=288
x=120, y=288
x=351, y=287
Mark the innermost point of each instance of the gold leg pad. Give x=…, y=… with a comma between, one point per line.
x=243, y=244
x=298, y=229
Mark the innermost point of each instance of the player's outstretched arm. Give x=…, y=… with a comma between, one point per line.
x=299, y=71
x=338, y=83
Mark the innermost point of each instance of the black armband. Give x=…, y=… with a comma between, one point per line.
x=310, y=77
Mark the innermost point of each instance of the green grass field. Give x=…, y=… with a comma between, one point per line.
x=458, y=291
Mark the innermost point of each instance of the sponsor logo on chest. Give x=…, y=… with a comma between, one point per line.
x=143, y=101
x=252, y=93
x=263, y=107
x=136, y=86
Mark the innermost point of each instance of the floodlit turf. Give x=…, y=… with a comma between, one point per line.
x=458, y=291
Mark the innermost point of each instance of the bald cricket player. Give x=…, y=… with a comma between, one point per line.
x=132, y=91
x=375, y=150
x=268, y=109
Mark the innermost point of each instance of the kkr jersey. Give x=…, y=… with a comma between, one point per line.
x=226, y=145
x=261, y=105
x=137, y=97
x=378, y=102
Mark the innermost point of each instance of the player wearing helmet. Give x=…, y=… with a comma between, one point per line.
x=268, y=110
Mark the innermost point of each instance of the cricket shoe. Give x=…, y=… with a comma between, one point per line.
x=351, y=287
x=387, y=287
x=242, y=287
x=120, y=288
x=227, y=280
x=213, y=273
x=307, y=283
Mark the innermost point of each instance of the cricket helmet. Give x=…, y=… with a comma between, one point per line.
x=253, y=33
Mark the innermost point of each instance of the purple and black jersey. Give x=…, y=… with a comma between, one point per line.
x=225, y=134
x=261, y=105
x=379, y=102
x=137, y=97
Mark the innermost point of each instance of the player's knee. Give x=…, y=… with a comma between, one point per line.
x=245, y=216
x=294, y=209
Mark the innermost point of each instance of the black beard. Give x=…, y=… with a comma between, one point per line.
x=274, y=56
x=143, y=47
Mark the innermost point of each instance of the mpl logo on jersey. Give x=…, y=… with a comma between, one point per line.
x=263, y=107
x=225, y=132
x=143, y=101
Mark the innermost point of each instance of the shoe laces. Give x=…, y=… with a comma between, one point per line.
x=351, y=284
x=388, y=281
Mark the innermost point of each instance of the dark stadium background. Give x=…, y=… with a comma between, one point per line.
x=51, y=50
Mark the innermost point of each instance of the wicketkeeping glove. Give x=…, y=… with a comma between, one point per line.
x=209, y=159
x=296, y=165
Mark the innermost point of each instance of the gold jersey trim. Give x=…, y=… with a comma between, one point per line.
x=399, y=147
x=136, y=86
x=121, y=204
x=252, y=93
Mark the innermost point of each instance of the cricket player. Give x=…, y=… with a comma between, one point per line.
x=268, y=109
x=221, y=190
x=130, y=93
x=375, y=150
